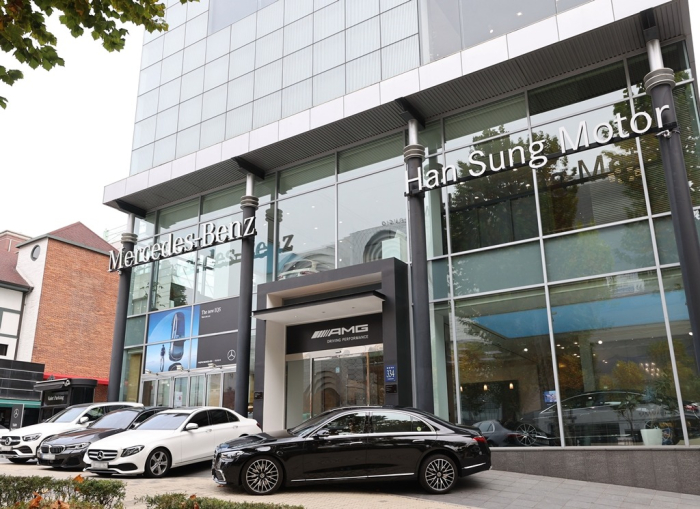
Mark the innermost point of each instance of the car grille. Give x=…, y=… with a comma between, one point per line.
x=9, y=440
x=54, y=449
x=102, y=454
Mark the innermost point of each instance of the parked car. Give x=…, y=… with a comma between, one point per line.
x=355, y=444
x=67, y=449
x=501, y=434
x=168, y=439
x=301, y=268
x=20, y=445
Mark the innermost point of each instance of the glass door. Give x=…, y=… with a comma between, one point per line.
x=180, y=392
x=163, y=398
x=148, y=393
x=214, y=389
x=197, y=390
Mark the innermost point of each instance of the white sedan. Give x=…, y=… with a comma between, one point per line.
x=169, y=439
x=20, y=445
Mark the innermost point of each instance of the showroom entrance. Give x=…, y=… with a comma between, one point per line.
x=332, y=339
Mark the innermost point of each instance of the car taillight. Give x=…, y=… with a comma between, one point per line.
x=480, y=439
x=257, y=424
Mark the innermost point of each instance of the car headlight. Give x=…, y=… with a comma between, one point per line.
x=31, y=438
x=77, y=447
x=231, y=455
x=130, y=451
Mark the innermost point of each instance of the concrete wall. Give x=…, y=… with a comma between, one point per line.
x=668, y=468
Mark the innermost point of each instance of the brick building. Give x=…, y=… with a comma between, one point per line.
x=56, y=313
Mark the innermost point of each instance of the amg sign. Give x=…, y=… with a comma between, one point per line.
x=343, y=333
x=173, y=246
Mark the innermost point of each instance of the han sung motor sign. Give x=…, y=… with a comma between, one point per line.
x=602, y=134
x=173, y=246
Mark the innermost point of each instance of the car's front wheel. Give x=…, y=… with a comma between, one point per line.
x=438, y=474
x=157, y=463
x=262, y=476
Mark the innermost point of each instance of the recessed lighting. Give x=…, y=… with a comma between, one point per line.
x=520, y=14
x=600, y=342
x=524, y=349
x=491, y=31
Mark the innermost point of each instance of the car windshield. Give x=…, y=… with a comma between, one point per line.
x=120, y=419
x=68, y=415
x=164, y=421
x=307, y=427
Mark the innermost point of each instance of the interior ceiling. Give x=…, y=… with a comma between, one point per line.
x=598, y=46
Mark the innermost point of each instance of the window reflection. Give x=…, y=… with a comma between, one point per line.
x=173, y=282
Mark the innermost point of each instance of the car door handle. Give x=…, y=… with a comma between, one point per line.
x=350, y=443
x=419, y=440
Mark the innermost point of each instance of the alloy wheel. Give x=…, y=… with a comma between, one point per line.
x=158, y=463
x=439, y=474
x=527, y=434
x=262, y=476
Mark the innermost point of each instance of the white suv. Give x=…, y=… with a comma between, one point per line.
x=20, y=445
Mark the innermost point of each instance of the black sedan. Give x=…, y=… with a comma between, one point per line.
x=67, y=449
x=355, y=444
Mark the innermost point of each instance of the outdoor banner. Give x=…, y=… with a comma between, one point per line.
x=343, y=333
x=219, y=350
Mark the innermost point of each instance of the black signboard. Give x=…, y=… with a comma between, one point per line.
x=216, y=316
x=16, y=417
x=55, y=398
x=343, y=333
x=219, y=350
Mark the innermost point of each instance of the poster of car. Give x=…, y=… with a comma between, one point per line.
x=171, y=324
x=168, y=356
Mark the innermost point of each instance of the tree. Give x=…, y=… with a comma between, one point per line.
x=24, y=34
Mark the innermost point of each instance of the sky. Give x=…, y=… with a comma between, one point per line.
x=67, y=133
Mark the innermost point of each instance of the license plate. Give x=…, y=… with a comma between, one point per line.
x=48, y=457
x=102, y=465
x=5, y=448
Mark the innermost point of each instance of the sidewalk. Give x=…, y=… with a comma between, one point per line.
x=486, y=490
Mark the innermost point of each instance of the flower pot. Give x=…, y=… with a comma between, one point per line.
x=651, y=436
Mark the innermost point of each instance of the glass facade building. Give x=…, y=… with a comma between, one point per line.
x=557, y=307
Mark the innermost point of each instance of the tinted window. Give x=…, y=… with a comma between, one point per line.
x=420, y=426
x=218, y=417
x=145, y=415
x=95, y=413
x=231, y=417
x=67, y=415
x=165, y=421
x=348, y=424
x=484, y=427
x=391, y=422
x=116, y=420
x=200, y=418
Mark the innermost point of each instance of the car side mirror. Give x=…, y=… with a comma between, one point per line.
x=322, y=433
x=83, y=419
x=191, y=426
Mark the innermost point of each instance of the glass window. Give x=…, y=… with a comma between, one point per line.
x=194, y=56
x=602, y=251
x=180, y=392
x=131, y=375
x=171, y=67
x=214, y=389
x=486, y=122
x=135, y=331
x=200, y=418
x=686, y=108
x=216, y=73
x=363, y=38
x=150, y=78
x=684, y=351
x=297, y=98
x=223, y=13
x=196, y=29
x=163, y=396
x=144, y=132
x=169, y=95
x=443, y=354
x=222, y=203
x=496, y=208
x=151, y=53
x=298, y=35
x=329, y=20
x=674, y=56
x=218, y=417
x=192, y=84
x=295, y=9
x=267, y=109
x=263, y=263
x=148, y=396
x=594, y=187
x=400, y=57
x=173, y=41
x=308, y=176
x=140, y=285
x=580, y=93
x=218, y=44
x=399, y=23
x=440, y=29
x=371, y=157
x=306, y=234
x=430, y=137
x=329, y=85
x=213, y=131
x=438, y=279
x=229, y=394
x=372, y=219
x=435, y=219
x=613, y=359
x=187, y=141
x=197, y=390
x=297, y=67
x=147, y=105
x=482, y=21
x=214, y=102
x=270, y=16
x=178, y=216
x=174, y=282
x=239, y=121
x=145, y=227
x=508, y=267
x=349, y=424
x=329, y=53
x=219, y=271
x=167, y=123
x=666, y=238
x=190, y=113
x=357, y=11
x=505, y=364
x=141, y=159
x=240, y=91
x=268, y=79
x=243, y=32
x=363, y=72
x=268, y=49
x=391, y=422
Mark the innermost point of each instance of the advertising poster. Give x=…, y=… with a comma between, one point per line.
x=215, y=317
x=219, y=350
x=167, y=325
x=168, y=356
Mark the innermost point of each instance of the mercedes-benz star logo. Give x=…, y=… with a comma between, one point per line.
x=5, y=441
x=231, y=355
x=16, y=413
x=100, y=455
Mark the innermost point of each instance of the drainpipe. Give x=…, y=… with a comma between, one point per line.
x=115, y=367
x=659, y=84
x=249, y=204
x=414, y=154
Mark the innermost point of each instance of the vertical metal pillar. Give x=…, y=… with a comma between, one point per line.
x=414, y=154
x=659, y=84
x=249, y=204
x=119, y=335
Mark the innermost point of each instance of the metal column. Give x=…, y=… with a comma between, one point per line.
x=115, y=368
x=659, y=84
x=414, y=154
x=249, y=204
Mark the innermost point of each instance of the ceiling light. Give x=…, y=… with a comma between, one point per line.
x=524, y=350
x=520, y=14
x=600, y=342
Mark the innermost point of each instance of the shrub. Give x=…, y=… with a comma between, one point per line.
x=182, y=501
x=79, y=493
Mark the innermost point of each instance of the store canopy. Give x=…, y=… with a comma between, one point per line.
x=26, y=402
